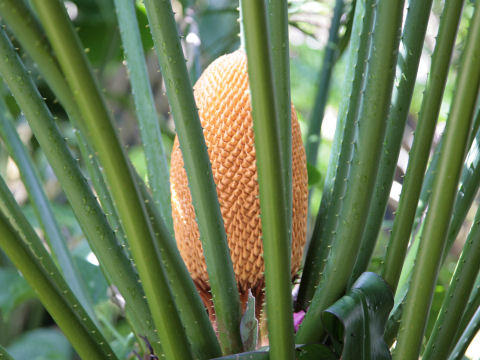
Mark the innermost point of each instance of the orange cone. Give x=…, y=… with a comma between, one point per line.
x=223, y=101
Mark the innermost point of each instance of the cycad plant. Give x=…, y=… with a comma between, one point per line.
x=339, y=310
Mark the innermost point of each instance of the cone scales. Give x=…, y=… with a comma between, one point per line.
x=223, y=101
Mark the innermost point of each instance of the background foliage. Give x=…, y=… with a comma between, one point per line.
x=24, y=323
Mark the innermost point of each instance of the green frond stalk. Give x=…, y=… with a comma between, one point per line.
x=44, y=213
x=370, y=127
x=456, y=298
x=430, y=174
x=148, y=121
x=469, y=184
x=444, y=190
x=98, y=183
x=411, y=45
x=26, y=29
x=402, y=226
x=280, y=57
x=199, y=173
x=466, y=337
x=470, y=309
x=339, y=163
x=119, y=176
x=115, y=264
x=267, y=126
x=190, y=306
x=27, y=252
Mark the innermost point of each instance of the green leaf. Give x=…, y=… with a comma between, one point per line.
x=314, y=176
x=358, y=319
x=93, y=277
x=252, y=355
x=249, y=325
x=98, y=17
x=123, y=347
x=15, y=291
x=41, y=344
x=63, y=214
x=302, y=352
x=315, y=352
x=27, y=252
x=4, y=355
x=37, y=197
x=139, y=162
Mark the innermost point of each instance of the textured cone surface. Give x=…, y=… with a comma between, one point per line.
x=223, y=101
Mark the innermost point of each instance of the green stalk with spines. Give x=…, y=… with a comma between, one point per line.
x=402, y=226
x=466, y=337
x=26, y=29
x=408, y=60
x=98, y=183
x=470, y=309
x=370, y=128
x=280, y=58
x=466, y=272
x=430, y=174
x=119, y=176
x=191, y=308
x=475, y=126
x=316, y=118
x=393, y=323
x=427, y=185
x=456, y=298
x=200, y=179
x=433, y=243
x=148, y=121
x=27, y=252
x=84, y=204
x=469, y=184
x=267, y=126
x=56, y=242
x=116, y=266
x=339, y=163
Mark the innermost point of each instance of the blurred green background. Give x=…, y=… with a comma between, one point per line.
x=209, y=29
